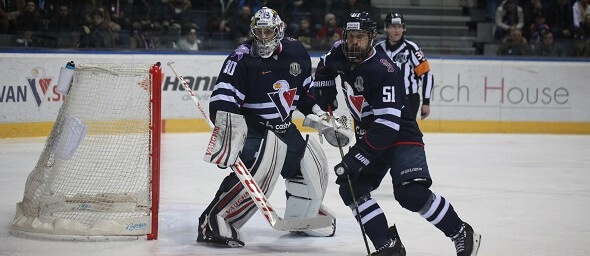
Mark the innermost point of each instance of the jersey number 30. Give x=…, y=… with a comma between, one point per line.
x=388, y=94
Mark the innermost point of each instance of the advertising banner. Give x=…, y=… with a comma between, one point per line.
x=464, y=89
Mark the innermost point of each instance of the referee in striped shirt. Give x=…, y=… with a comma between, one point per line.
x=412, y=62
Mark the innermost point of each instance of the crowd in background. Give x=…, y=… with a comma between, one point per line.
x=532, y=27
x=525, y=27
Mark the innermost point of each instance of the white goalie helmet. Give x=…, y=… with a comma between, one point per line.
x=268, y=29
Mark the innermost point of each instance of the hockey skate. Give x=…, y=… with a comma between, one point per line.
x=466, y=241
x=210, y=237
x=394, y=247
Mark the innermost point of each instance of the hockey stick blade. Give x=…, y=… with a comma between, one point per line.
x=254, y=190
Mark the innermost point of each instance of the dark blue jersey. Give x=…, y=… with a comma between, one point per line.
x=375, y=95
x=265, y=91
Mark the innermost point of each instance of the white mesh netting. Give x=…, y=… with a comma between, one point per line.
x=93, y=177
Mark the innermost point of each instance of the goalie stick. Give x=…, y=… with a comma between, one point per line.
x=254, y=190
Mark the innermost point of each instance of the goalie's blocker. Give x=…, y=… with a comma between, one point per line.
x=227, y=139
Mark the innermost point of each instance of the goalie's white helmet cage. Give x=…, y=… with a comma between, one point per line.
x=266, y=19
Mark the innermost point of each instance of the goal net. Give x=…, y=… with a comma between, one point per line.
x=98, y=175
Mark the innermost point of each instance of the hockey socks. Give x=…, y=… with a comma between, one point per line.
x=374, y=221
x=440, y=213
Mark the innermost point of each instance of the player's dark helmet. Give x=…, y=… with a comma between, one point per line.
x=395, y=18
x=359, y=21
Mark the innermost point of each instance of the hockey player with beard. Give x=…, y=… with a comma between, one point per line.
x=260, y=85
x=388, y=139
x=412, y=62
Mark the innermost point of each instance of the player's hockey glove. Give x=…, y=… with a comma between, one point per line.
x=352, y=163
x=325, y=94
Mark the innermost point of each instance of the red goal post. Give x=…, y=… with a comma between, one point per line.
x=98, y=176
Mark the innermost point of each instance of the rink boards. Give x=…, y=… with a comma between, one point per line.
x=469, y=95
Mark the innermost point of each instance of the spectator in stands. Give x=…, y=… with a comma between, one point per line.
x=63, y=21
x=537, y=29
x=560, y=18
x=240, y=25
x=114, y=27
x=316, y=9
x=46, y=9
x=580, y=8
x=180, y=11
x=98, y=34
x=161, y=10
x=547, y=47
x=30, y=19
x=491, y=7
x=169, y=36
x=293, y=10
x=304, y=33
x=28, y=23
x=281, y=6
x=144, y=38
x=9, y=11
x=217, y=21
x=45, y=6
x=189, y=42
x=255, y=5
x=508, y=17
x=141, y=8
x=531, y=10
x=127, y=13
x=515, y=44
x=82, y=10
x=582, y=38
x=329, y=33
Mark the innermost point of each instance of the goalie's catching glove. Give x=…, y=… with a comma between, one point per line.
x=320, y=121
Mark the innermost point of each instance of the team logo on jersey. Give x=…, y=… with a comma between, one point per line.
x=358, y=84
x=294, y=69
x=240, y=51
x=283, y=98
x=355, y=102
x=401, y=58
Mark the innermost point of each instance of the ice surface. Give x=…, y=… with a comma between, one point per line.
x=526, y=195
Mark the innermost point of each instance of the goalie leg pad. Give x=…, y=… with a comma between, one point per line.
x=233, y=206
x=306, y=192
x=266, y=168
x=227, y=139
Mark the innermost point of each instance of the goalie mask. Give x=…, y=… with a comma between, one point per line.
x=268, y=29
x=359, y=33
